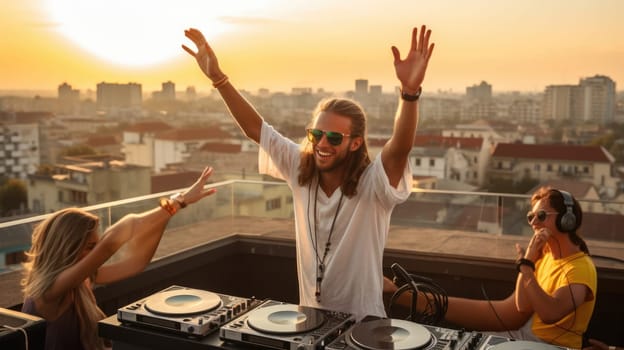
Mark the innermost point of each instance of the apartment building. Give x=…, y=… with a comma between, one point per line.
x=19, y=149
x=175, y=146
x=118, y=99
x=86, y=181
x=593, y=99
x=462, y=159
x=541, y=162
x=138, y=142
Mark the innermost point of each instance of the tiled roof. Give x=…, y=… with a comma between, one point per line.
x=579, y=189
x=441, y=141
x=437, y=141
x=217, y=147
x=104, y=140
x=552, y=152
x=376, y=142
x=148, y=127
x=32, y=117
x=172, y=181
x=194, y=134
x=602, y=226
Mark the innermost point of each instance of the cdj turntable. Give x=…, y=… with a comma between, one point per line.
x=393, y=334
x=185, y=310
x=278, y=325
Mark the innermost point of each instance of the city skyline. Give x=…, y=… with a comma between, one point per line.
x=279, y=45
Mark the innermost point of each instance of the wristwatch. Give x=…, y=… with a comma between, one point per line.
x=179, y=197
x=526, y=262
x=409, y=97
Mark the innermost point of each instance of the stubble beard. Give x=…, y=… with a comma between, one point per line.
x=339, y=161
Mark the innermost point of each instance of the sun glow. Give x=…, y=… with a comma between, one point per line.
x=140, y=32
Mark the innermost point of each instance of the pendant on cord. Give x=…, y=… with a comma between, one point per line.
x=319, y=280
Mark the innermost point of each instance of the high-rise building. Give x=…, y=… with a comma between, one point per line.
x=361, y=90
x=481, y=92
x=375, y=93
x=168, y=91
x=113, y=96
x=68, y=98
x=593, y=99
x=597, y=103
x=19, y=149
x=559, y=102
x=478, y=103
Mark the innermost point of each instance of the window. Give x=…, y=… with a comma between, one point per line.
x=14, y=258
x=417, y=161
x=36, y=206
x=273, y=204
x=78, y=197
x=549, y=167
x=431, y=162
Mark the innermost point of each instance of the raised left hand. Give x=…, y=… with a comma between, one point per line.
x=197, y=191
x=411, y=70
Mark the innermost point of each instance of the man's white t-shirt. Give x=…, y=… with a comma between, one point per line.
x=353, y=277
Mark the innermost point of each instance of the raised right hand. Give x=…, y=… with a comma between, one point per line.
x=205, y=56
x=536, y=244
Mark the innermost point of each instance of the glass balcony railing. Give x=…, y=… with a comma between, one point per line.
x=473, y=223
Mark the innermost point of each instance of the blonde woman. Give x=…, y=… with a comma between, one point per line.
x=68, y=255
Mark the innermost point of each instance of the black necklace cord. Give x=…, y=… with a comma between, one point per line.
x=320, y=266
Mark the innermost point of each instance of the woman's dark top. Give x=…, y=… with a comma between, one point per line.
x=62, y=333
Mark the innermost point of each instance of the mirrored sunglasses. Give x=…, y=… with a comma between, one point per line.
x=333, y=137
x=540, y=214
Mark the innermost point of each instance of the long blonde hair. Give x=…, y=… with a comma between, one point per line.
x=56, y=245
x=356, y=161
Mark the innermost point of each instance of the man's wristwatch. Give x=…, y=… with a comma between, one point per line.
x=179, y=197
x=409, y=97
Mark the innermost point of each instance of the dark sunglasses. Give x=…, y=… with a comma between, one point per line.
x=541, y=215
x=333, y=137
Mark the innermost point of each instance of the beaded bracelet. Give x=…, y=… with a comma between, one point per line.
x=167, y=204
x=217, y=84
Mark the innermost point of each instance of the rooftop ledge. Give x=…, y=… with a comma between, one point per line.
x=436, y=244
x=261, y=264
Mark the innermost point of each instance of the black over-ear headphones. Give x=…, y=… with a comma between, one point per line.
x=566, y=221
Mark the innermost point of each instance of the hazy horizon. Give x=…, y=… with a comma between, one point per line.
x=279, y=44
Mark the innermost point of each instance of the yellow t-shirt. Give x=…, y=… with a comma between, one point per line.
x=552, y=274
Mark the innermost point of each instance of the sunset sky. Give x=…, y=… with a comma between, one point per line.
x=280, y=44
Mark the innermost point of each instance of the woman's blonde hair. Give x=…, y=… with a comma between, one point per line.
x=56, y=245
x=356, y=161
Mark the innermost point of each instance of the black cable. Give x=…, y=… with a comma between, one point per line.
x=496, y=313
x=610, y=258
x=436, y=300
x=567, y=330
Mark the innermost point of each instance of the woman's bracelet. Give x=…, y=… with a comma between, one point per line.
x=219, y=83
x=523, y=261
x=167, y=204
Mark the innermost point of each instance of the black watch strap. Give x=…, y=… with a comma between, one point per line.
x=523, y=261
x=411, y=98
